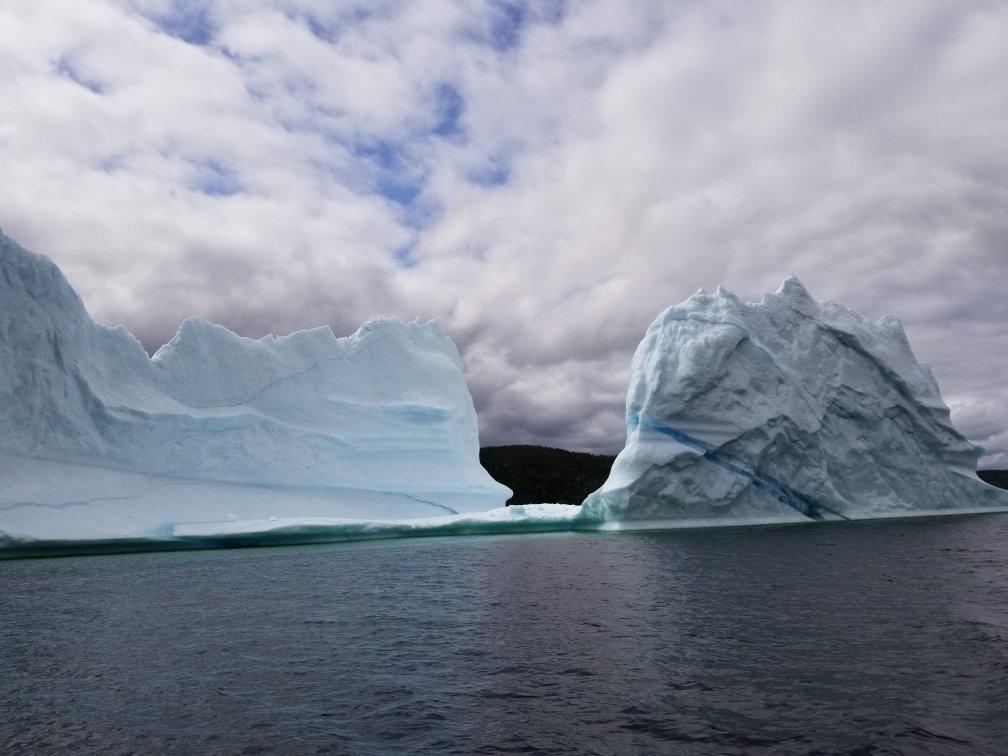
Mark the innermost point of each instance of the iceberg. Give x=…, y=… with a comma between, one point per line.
x=103, y=444
x=788, y=410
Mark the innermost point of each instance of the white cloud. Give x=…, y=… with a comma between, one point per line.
x=553, y=183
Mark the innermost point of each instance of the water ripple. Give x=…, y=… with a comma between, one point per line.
x=847, y=637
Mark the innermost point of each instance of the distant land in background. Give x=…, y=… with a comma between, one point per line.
x=540, y=474
x=997, y=478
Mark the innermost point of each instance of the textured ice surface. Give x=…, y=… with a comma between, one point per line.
x=100, y=441
x=786, y=409
x=527, y=518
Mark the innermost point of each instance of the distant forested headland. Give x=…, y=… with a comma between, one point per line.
x=540, y=474
x=997, y=478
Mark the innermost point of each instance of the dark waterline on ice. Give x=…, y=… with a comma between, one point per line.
x=890, y=635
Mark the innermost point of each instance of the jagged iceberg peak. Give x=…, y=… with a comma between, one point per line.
x=34, y=293
x=198, y=333
x=789, y=408
x=207, y=362
x=385, y=410
x=794, y=292
x=27, y=274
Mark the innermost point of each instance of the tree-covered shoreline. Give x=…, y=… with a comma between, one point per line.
x=542, y=474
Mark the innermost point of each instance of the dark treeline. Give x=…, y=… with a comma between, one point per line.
x=539, y=474
x=997, y=478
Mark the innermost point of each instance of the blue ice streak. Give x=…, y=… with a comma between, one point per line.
x=760, y=480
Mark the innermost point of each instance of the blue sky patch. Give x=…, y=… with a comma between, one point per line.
x=188, y=20
x=330, y=33
x=216, y=180
x=506, y=28
x=449, y=107
x=403, y=256
x=490, y=175
x=66, y=68
x=394, y=177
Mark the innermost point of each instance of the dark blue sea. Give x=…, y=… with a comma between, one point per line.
x=842, y=637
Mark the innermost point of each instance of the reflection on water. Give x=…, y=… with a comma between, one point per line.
x=832, y=637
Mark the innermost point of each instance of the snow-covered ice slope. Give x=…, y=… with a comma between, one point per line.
x=789, y=409
x=98, y=441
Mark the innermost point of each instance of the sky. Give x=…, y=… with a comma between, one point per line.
x=543, y=178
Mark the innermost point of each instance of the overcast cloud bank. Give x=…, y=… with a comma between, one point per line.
x=543, y=178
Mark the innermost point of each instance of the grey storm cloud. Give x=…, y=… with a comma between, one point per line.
x=542, y=178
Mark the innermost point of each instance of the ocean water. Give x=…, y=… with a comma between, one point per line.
x=864, y=636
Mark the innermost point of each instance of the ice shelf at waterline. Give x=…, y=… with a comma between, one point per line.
x=101, y=443
x=789, y=409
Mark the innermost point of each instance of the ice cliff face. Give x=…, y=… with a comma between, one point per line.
x=789, y=409
x=100, y=441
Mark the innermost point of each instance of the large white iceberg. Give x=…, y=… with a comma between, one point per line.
x=786, y=410
x=100, y=443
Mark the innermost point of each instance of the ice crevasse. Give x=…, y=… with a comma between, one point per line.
x=101, y=443
x=789, y=409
